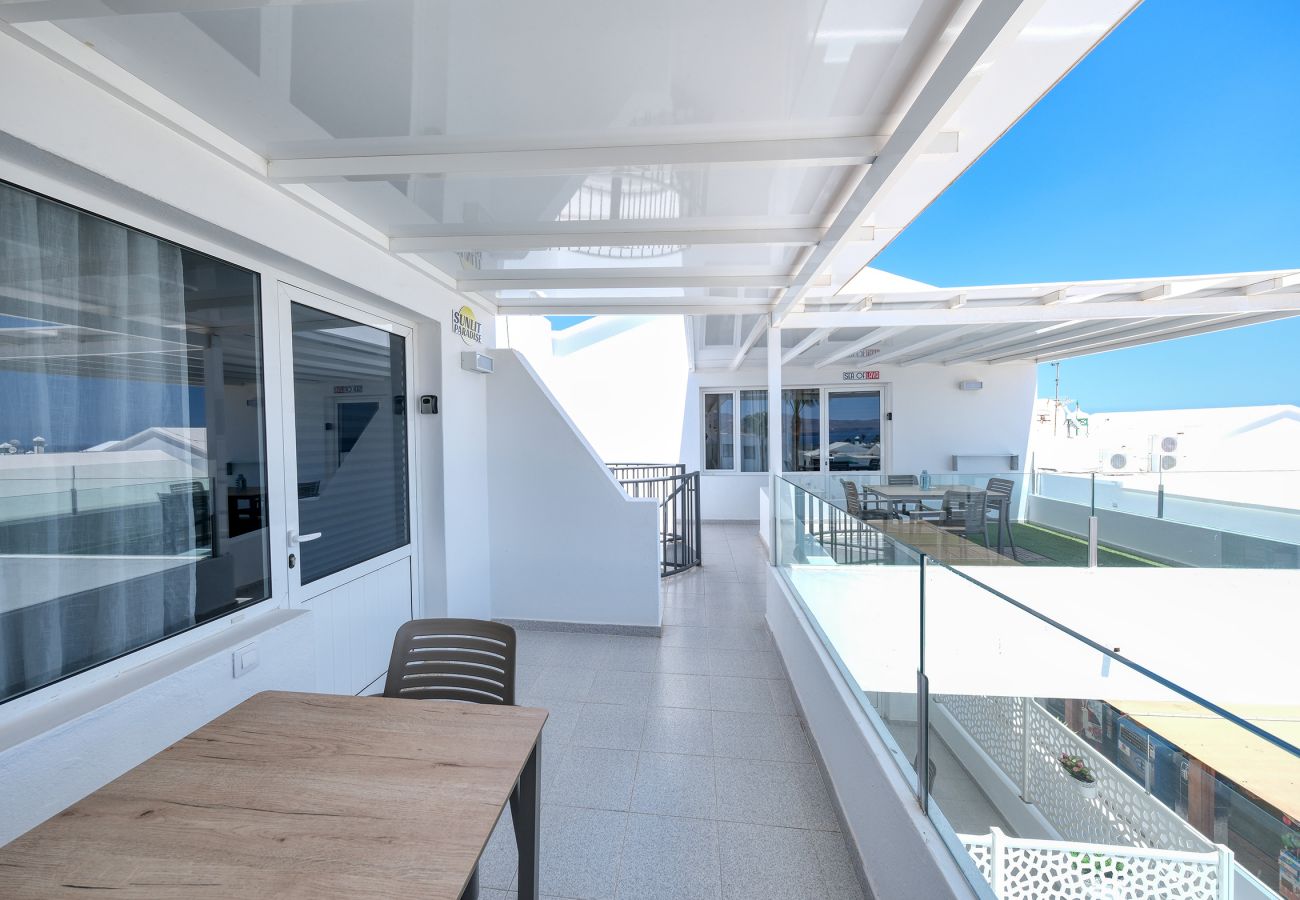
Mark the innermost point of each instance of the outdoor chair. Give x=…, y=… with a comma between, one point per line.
x=963, y=511
x=999, y=491
x=469, y=660
x=904, y=481
x=870, y=510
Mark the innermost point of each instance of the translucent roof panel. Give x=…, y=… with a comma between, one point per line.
x=392, y=68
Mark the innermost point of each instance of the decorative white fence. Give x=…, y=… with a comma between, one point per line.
x=1021, y=869
x=1119, y=812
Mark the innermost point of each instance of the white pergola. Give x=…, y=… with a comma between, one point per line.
x=998, y=324
x=592, y=156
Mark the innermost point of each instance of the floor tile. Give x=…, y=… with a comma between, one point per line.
x=731, y=637
x=675, y=730
x=561, y=720
x=732, y=694
x=581, y=849
x=792, y=795
x=839, y=874
x=763, y=863
x=594, y=777
x=690, y=691
x=616, y=686
x=696, y=614
x=562, y=683
x=669, y=784
x=632, y=655
x=687, y=636
x=683, y=661
x=669, y=859
x=745, y=663
x=499, y=864
x=757, y=736
x=611, y=726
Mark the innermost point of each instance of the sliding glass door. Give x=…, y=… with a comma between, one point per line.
x=853, y=438
x=350, y=497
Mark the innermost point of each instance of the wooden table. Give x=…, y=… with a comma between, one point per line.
x=899, y=495
x=940, y=544
x=299, y=795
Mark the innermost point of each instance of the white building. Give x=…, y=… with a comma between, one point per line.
x=276, y=243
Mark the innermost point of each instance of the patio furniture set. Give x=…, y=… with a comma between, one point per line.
x=964, y=511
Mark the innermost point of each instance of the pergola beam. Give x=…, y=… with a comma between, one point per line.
x=619, y=278
x=817, y=336
x=993, y=23
x=327, y=160
x=870, y=340
x=748, y=343
x=1278, y=301
x=538, y=236
x=22, y=11
x=1223, y=324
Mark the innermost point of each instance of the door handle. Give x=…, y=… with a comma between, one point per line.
x=295, y=538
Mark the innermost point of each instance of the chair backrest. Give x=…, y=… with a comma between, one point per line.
x=963, y=505
x=851, y=498
x=902, y=479
x=1000, y=486
x=453, y=659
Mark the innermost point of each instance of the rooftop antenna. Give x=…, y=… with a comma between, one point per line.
x=1056, y=402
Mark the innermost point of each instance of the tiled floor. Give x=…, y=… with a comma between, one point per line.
x=675, y=768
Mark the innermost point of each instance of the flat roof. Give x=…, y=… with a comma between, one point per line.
x=1267, y=771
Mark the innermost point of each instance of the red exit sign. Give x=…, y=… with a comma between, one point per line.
x=867, y=375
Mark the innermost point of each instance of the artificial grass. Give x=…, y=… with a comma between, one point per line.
x=1067, y=550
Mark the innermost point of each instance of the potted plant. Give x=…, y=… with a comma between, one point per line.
x=1077, y=768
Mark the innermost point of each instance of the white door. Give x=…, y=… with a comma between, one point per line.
x=348, y=481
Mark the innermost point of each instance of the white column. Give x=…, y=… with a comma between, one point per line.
x=773, y=434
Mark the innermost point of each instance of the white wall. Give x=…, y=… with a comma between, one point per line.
x=42, y=775
x=572, y=546
x=71, y=139
x=631, y=392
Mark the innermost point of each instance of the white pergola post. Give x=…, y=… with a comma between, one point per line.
x=773, y=436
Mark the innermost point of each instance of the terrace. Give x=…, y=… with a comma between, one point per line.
x=278, y=380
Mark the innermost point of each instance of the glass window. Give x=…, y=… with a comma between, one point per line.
x=349, y=388
x=853, y=426
x=753, y=431
x=801, y=428
x=132, y=459
x=719, y=432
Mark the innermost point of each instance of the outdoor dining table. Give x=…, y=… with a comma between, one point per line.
x=300, y=795
x=898, y=496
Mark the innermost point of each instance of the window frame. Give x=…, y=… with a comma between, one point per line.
x=75, y=690
x=824, y=393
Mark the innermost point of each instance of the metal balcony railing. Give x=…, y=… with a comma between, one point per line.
x=678, y=493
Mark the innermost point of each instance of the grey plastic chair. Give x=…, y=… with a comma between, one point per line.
x=902, y=479
x=963, y=510
x=857, y=508
x=1000, y=490
x=470, y=660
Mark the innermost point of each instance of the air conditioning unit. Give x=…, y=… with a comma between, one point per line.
x=1164, y=453
x=1117, y=460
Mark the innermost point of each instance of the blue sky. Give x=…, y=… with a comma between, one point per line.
x=1172, y=149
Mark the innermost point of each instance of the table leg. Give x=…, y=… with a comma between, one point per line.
x=526, y=811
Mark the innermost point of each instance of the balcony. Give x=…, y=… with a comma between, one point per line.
x=971, y=676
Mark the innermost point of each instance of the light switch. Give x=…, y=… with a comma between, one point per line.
x=245, y=659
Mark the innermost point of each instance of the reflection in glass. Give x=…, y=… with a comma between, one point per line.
x=132, y=460
x=350, y=406
x=801, y=430
x=719, y=431
x=853, y=429
x=753, y=431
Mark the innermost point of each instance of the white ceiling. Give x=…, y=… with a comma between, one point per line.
x=594, y=155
